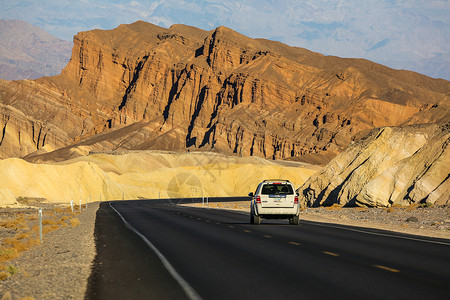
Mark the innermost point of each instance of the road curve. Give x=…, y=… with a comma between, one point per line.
x=217, y=254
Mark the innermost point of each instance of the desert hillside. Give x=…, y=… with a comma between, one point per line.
x=136, y=175
x=390, y=166
x=141, y=86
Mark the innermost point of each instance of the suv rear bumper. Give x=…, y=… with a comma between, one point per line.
x=276, y=212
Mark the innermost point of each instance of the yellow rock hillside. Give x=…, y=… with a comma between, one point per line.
x=145, y=174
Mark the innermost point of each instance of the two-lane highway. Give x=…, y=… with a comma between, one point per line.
x=154, y=249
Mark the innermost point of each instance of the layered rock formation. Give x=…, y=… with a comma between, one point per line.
x=147, y=87
x=390, y=166
x=33, y=116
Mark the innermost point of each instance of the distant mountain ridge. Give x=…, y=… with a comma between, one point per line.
x=141, y=86
x=411, y=35
x=27, y=52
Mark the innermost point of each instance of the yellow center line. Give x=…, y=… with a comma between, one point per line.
x=231, y=226
x=294, y=243
x=268, y=236
x=247, y=230
x=330, y=253
x=386, y=268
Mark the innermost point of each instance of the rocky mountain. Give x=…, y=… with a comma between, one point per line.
x=141, y=86
x=390, y=166
x=29, y=52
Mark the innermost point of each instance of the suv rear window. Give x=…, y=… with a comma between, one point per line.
x=276, y=189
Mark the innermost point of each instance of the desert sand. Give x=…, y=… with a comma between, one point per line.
x=143, y=174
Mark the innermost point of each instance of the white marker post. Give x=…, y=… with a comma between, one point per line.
x=40, y=224
x=71, y=204
x=203, y=198
x=80, y=205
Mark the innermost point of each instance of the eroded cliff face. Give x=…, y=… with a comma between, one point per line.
x=183, y=87
x=391, y=165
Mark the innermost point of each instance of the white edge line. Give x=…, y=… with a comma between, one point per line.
x=375, y=233
x=190, y=292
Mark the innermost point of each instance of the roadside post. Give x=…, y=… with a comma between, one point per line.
x=40, y=224
x=203, y=198
x=71, y=204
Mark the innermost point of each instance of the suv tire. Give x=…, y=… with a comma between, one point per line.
x=256, y=220
x=295, y=220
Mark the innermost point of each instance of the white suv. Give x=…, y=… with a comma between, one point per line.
x=274, y=199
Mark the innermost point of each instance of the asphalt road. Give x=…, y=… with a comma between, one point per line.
x=155, y=249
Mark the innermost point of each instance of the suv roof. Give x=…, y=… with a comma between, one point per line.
x=276, y=180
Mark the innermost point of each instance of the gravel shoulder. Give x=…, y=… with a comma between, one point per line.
x=59, y=267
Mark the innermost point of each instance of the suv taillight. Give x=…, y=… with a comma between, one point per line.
x=258, y=199
x=296, y=200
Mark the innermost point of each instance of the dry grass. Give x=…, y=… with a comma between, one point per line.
x=335, y=206
x=64, y=218
x=48, y=222
x=18, y=223
x=63, y=210
x=412, y=207
x=23, y=238
x=3, y=275
x=20, y=245
x=49, y=228
x=361, y=208
x=7, y=253
x=75, y=222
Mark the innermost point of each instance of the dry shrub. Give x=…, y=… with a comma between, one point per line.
x=61, y=223
x=412, y=207
x=27, y=298
x=18, y=223
x=64, y=218
x=49, y=228
x=361, y=208
x=22, y=236
x=75, y=222
x=7, y=254
x=4, y=275
x=63, y=209
x=19, y=245
x=390, y=209
x=12, y=270
x=335, y=206
x=48, y=222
